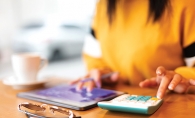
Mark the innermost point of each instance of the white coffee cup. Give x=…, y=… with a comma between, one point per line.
x=26, y=66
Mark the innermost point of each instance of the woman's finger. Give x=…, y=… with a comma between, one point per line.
x=192, y=82
x=96, y=75
x=148, y=83
x=90, y=86
x=79, y=86
x=114, y=77
x=110, y=78
x=160, y=72
x=183, y=86
x=175, y=81
x=163, y=86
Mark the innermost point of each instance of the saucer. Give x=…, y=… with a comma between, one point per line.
x=11, y=81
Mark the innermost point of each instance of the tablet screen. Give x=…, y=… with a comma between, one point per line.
x=70, y=93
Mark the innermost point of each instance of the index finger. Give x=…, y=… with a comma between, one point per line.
x=163, y=86
x=160, y=72
x=97, y=78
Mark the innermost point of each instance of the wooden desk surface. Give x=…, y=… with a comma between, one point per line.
x=174, y=105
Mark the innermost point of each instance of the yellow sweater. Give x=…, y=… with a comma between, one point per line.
x=135, y=46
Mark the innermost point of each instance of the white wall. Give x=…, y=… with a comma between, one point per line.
x=7, y=26
x=15, y=13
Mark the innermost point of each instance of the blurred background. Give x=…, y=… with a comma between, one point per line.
x=54, y=28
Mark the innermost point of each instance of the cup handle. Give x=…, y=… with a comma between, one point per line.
x=44, y=63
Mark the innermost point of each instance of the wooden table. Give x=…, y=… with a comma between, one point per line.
x=174, y=105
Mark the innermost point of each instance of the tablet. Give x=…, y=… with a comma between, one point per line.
x=67, y=96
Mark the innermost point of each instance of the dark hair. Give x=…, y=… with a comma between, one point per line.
x=156, y=8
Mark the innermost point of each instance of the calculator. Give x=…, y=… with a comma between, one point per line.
x=132, y=103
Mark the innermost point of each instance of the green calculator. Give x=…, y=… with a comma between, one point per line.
x=132, y=103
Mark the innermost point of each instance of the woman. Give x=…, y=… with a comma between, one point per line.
x=150, y=43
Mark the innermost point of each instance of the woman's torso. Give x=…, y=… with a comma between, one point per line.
x=135, y=45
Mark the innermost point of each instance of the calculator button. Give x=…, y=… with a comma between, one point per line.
x=136, y=100
x=146, y=98
x=154, y=98
x=140, y=102
x=148, y=103
x=153, y=101
x=131, y=97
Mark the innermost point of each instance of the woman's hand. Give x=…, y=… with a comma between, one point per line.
x=166, y=79
x=96, y=74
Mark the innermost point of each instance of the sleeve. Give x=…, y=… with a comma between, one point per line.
x=92, y=54
x=188, y=42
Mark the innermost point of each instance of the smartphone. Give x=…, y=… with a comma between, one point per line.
x=67, y=96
